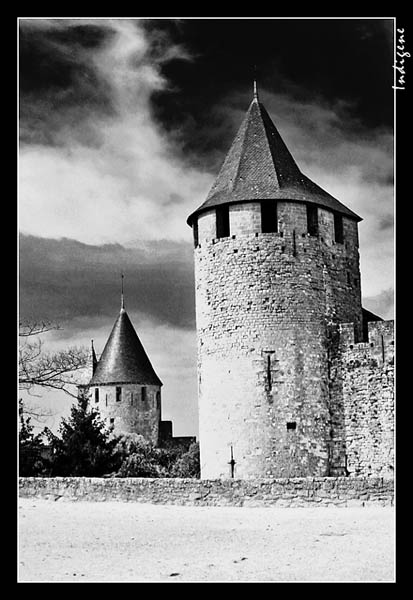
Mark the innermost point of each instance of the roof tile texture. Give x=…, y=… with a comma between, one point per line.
x=124, y=359
x=259, y=166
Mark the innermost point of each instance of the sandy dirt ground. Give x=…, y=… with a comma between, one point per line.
x=126, y=542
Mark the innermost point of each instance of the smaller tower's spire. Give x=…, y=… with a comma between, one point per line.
x=122, y=299
x=94, y=359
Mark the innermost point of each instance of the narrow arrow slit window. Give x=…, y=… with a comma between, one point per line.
x=312, y=219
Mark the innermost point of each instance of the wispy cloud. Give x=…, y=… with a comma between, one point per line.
x=117, y=168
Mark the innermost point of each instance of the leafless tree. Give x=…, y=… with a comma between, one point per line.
x=35, y=412
x=38, y=368
x=29, y=328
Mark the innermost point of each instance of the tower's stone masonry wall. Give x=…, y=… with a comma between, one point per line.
x=263, y=306
x=365, y=373
x=342, y=282
x=206, y=226
x=245, y=218
x=134, y=413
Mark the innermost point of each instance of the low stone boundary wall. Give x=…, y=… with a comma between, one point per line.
x=298, y=491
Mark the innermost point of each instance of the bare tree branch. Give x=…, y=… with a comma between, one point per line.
x=28, y=328
x=57, y=370
x=37, y=413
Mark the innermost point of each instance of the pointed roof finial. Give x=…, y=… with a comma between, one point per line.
x=255, y=83
x=255, y=90
x=122, y=299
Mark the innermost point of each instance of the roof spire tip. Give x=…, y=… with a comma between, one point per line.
x=122, y=299
x=255, y=90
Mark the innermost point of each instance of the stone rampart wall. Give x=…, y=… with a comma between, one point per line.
x=294, y=492
x=368, y=399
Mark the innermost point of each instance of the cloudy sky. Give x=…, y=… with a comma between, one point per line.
x=123, y=127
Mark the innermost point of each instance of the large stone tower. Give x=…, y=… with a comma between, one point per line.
x=276, y=265
x=124, y=386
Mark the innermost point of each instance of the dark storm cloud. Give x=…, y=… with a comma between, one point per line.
x=340, y=62
x=57, y=82
x=50, y=59
x=64, y=280
x=343, y=63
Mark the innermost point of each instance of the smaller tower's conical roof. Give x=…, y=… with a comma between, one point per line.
x=124, y=359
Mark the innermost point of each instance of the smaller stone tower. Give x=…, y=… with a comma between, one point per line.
x=124, y=386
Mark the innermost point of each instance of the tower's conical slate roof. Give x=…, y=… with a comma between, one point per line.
x=259, y=166
x=124, y=359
